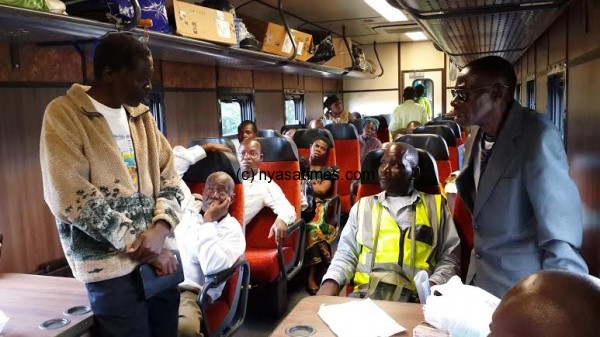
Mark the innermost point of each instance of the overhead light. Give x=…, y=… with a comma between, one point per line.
x=386, y=10
x=417, y=36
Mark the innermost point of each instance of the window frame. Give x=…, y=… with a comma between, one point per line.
x=557, y=102
x=530, y=87
x=297, y=96
x=156, y=99
x=245, y=98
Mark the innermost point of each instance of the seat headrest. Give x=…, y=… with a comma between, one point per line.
x=455, y=127
x=215, y=161
x=427, y=181
x=434, y=144
x=222, y=141
x=304, y=137
x=370, y=167
x=292, y=126
x=441, y=130
x=342, y=131
x=268, y=133
x=383, y=120
x=278, y=149
x=359, y=124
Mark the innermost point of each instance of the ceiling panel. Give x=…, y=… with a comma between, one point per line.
x=467, y=30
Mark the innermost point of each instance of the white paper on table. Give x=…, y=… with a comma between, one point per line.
x=359, y=318
x=422, y=284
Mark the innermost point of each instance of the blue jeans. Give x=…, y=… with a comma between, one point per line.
x=120, y=308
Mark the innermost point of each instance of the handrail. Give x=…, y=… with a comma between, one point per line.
x=288, y=31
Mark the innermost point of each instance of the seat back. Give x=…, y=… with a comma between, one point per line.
x=215, y=161
x=304, y=137
x=345, y=138
x=280, y=157
x=455, y=127
x=292, y=126
x=383, y=132
x=216, y=140
x=464, y=228
x=268, y=133
x=436, y=146
x=369, y=183
x=446, y=133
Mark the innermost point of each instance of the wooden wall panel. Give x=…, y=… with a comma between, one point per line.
x=313, y=84
x=557, y=44
x=41, y=64
x=30, y=235
x=186, y=75
x=580, y=41
x=583, y=112
x=267, y=81
x=293, y=81
x=330, y=85
x=269, y=110
x=234, y=78
x=313, y=103
x=190, y=115
x=541, y=55
x=531, y=60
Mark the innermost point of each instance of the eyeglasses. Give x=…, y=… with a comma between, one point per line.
x=462, y=94
x=221, y=192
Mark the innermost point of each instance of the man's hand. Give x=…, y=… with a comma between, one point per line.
x=150, y=244
x=329, y=288
x=165, y=263
x=217, y=211
x=215, y=147
x=279, y=229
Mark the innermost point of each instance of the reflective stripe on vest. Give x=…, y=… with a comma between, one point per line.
x=388, y=255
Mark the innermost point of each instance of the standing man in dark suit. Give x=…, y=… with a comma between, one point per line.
x=525, y=208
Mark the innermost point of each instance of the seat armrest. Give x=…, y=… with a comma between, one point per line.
x=214, y=280
x=300, y=226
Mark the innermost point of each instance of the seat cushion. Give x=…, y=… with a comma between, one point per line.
x=215, y=314
x=264, y=265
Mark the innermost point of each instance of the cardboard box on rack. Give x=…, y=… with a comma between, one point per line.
x=275, y=39
x=204, y=23
x=342, y=58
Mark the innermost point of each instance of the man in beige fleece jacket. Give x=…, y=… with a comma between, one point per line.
x=110, y=182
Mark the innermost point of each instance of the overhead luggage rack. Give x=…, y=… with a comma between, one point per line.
x=21, y=26
x=491, y=27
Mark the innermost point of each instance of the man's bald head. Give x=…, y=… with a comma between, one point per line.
x=549, y=304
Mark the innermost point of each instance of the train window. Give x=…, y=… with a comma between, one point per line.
x=156, y=104
x=294, y=109
x=556, y=101
x=428, y=84
x=233, y=109
x=531, y=94
x=518, y=93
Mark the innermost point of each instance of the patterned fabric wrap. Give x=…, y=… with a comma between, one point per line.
x=155, y=10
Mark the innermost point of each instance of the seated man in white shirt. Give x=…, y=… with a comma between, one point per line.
x=260, y=191
x=183, y=159
x=207, y=244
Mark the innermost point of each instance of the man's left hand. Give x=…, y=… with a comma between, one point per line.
x=165, y=263
x=279, y=229
x=150, y=244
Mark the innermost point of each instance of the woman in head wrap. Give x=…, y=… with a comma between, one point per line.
x=335, y=110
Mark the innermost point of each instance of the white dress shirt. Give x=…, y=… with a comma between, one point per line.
x=183, y=159
x=208, y=247
x=259, y=192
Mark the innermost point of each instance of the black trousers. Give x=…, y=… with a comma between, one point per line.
x=121, y=310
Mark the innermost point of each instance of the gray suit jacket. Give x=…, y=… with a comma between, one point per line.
x=526, y=212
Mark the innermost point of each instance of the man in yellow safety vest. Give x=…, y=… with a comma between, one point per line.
x=391, y=236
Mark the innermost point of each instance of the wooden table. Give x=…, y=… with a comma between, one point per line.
x=29, y=300
x=409, y=315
